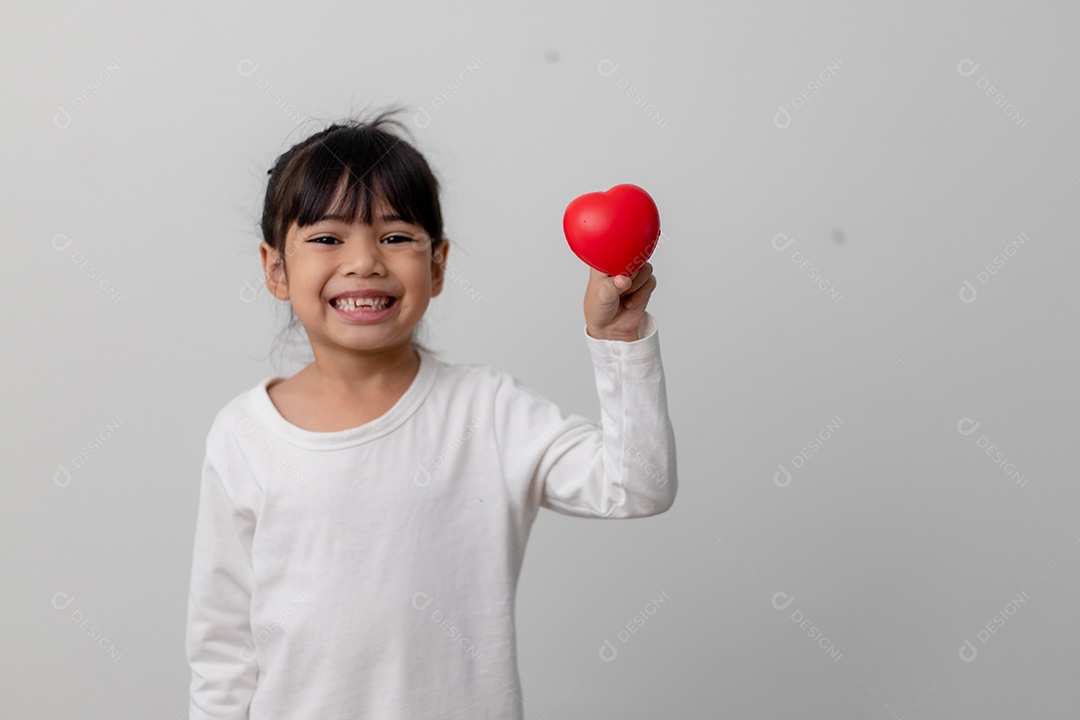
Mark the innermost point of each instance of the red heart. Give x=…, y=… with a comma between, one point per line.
x=614, y=231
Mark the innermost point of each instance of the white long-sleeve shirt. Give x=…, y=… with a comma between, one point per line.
x=371, y=572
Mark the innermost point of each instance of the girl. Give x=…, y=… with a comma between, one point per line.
x=362, y=524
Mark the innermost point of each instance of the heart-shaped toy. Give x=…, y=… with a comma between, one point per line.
x=614, y=231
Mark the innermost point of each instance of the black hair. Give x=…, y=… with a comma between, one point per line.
x=366, y=160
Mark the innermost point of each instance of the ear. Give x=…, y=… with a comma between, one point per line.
x=274, y=271
x=438, y=265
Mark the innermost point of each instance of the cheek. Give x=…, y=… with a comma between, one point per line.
x=417, y=275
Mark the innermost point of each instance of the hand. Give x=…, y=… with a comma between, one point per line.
x=615, y=304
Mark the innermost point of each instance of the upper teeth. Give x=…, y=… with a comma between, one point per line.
x=369, y=303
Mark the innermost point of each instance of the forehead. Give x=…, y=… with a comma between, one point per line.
x=366, y=193
x=379, y=209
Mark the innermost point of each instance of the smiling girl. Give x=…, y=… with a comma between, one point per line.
x=362, y=524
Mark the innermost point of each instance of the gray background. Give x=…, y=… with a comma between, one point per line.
x=137, y=139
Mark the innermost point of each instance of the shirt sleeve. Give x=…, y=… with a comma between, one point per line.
x=624, y=466
x=219, y=645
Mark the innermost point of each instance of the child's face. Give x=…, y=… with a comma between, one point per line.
x=332, y=257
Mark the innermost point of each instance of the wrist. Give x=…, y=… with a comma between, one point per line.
x=619, y=337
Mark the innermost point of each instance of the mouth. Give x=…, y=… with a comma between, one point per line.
x=364, y=310
x=351, y=304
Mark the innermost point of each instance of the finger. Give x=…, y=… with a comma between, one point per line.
x=642, y=294
x=606, y=286
x=639, y=278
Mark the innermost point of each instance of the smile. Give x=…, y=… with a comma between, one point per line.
x=351, y=304
x=365, y=310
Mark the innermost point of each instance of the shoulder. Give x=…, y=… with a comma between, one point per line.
x=478, y=380
x=466, y=373
x=235, y=417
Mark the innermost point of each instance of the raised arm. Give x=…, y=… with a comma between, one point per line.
x=623, y=467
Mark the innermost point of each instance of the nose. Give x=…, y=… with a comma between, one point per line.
x=364, y=257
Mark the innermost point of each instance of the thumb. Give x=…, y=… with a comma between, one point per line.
x=613, y=288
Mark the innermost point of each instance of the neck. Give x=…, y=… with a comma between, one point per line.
x=353, y=372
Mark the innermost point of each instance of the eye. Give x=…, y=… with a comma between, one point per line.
x=392, y=239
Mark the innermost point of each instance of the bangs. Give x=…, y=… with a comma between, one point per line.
x=344, y=175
